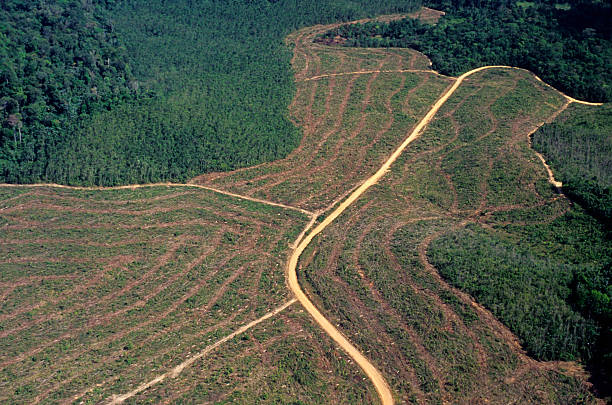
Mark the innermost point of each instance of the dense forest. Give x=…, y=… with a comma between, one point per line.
x=58, y=61
x=569, y=45
x=550, y=283
x=131, y=91
x=578, y=146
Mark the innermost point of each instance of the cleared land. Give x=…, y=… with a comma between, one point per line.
x=103, y=291
x=370, y=272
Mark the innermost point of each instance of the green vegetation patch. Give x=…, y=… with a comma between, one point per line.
x=549, y=283
x=578, y=147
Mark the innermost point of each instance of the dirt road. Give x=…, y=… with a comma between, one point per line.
x=136, y=186
x=118, y=399
x=365, y=72
x=377, y=378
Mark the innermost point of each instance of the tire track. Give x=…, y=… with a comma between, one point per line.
x=354, y=133
x=301, y=166
x=222, y=288
x=174, y=372
x=388, y=309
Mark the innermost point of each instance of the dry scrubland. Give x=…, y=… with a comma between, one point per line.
x=105, y=290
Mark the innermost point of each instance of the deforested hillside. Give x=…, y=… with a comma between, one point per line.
x=413, y=248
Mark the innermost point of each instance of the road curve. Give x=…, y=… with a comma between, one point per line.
x=365, y=72
x=377, y=378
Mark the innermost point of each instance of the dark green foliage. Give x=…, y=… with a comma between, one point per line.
x=58, y=61
x=568, y=48
x=550, y=283
x=579, y=148
x=525, y=292
x=210, y=87
x=592, y=195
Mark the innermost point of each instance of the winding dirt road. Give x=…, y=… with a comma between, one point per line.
x=371, y=371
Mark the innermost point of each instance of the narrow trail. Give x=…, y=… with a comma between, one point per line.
x=136, y=186
x=551, y=177
x=370, y=370
x=366, y=72
x=174, y=372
